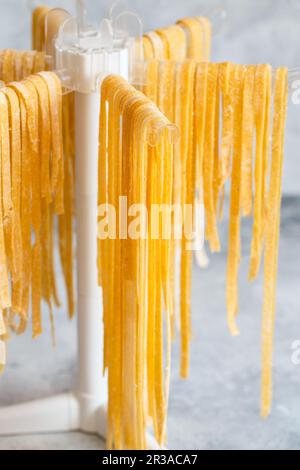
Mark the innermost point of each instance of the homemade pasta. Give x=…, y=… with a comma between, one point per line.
x=28, y=151
x=17, y=65
x=134, y=352
x=223, y=116
x=239, y=97
x=190, y=38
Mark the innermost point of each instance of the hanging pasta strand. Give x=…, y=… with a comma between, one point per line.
x=28, y=93
x=190, y=38
x=188, y=190
x=7, y=182
x=195, y=41
x=209, y=157
x=45, y=190
x=234, y=248
x=158, y=329
x=140, y=150
x=175, y=44
x=27, y=63
x=247, y=140
x=5, y=300
x=262, y=102
x=226, y=71
x=166, y=105
x=57, y=170
x=160, y=395
x=38, y=27
x=133, y=341
x=26, y=193
x=272, y=237
x=25, y=219
x=8, y=69
x=207, y=34
x=217, y=176
x=58, y=133
x=128, y=102
x=200, y=104
x=102, y=195
x=4, y=292
x=36, y=290
x=170, y=263
x=27, y=200
x=62, y=197
x=148, y=48
x=129, y=289
x=107, y=140
x=66, y=219
x=105, y=159
x=17, y=65
x=158, y=46
x=151, y=307
x=48, y=287
x=16, y=241
x=116, y=158
x=151, y=80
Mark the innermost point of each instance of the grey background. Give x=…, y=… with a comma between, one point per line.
x=218, y=407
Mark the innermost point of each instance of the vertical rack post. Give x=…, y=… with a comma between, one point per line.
x=91, y=386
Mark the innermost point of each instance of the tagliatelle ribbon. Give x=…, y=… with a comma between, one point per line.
x=175, y=43
x=8, y=70
x=226, y=71
x=187, y=201
x=272, y=236
x=5, y=204
x=234, y=248
x=195, y=39
x=36, y=213
x=57, y=170
x=158, y=46
x=148, y=48
x=16, y=65
x=167, y=106
x=16, y=234
x=124, y=169
x=207, y=35
x=38, y=27
x=262, y=103
x=209, y=156
x=247, y=140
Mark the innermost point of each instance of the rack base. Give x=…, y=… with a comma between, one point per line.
x=58, y=414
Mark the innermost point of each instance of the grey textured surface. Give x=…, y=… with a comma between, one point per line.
x=218, y=407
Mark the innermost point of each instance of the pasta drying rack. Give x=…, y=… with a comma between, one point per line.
x=83, y=56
